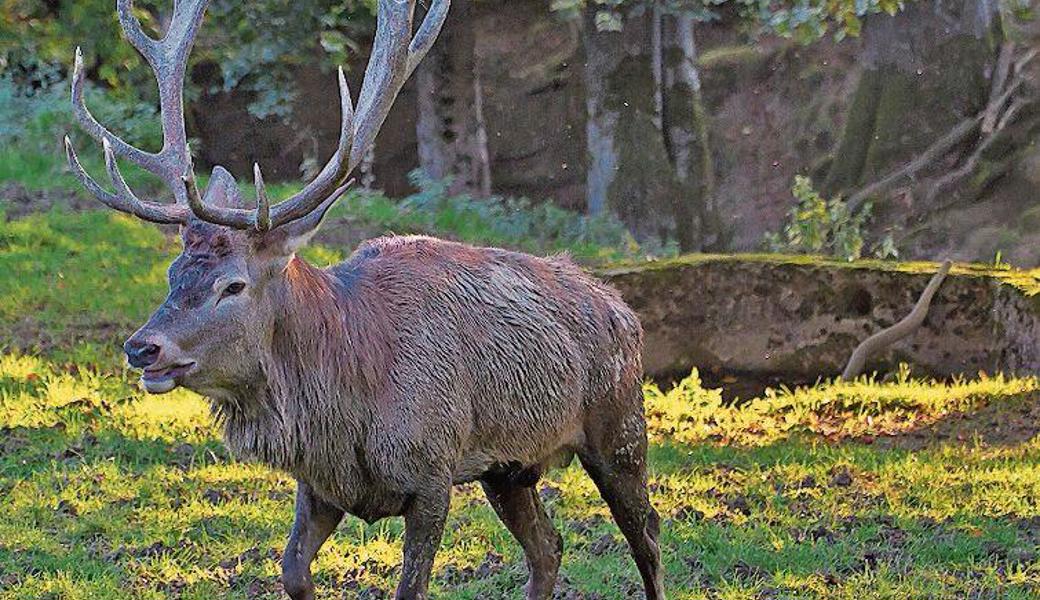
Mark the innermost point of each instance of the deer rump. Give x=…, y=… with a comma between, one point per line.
x=421, y=358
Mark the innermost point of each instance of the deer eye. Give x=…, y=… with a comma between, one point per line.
x=233, y=289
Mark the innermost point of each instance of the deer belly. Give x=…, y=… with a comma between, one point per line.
x=514, y=471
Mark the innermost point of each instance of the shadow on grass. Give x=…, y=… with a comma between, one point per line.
x=1005, y=422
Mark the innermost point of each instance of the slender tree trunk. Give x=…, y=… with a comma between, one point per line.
x=604, y=52
x=685, y=127
x=629, y=172
x=481, y=162
x=451, y=132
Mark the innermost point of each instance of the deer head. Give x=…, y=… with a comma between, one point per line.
x=226, y=285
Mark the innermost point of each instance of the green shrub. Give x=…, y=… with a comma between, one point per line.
x=820, y=226
x=541, y=228
x=36, y=114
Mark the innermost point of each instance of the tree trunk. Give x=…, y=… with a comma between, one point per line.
x=684, y=123
x=630, y=174
x=604, y=52
x=930, y=50
x=452, y=135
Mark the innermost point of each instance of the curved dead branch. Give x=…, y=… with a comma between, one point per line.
x=961, y=132
x=886, y=337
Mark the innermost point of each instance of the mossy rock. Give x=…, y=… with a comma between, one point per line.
x=802, y=316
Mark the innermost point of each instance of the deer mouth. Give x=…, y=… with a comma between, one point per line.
x=164, y=379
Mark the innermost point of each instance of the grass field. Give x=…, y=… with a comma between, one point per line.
x=901, y=489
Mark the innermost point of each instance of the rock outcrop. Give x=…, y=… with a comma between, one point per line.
x=802, y=316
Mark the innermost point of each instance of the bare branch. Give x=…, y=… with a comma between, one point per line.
x=886, y=337
x=969, y=165
x=958, y=134
x=1000, y=75
x=991, y=115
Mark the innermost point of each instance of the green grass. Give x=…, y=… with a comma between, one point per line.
x=109, y=493
x=904, y=489
x=541, y=228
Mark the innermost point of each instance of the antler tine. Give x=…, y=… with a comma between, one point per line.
x=123, y=201
x=427, y=34
x=147, y=160
x=263, y=205
x=205, y=212
x=147, y=46
x=332, y=174
x=149, y=211
x=395, y=55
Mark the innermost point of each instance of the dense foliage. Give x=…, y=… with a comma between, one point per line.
x=255, y=44
x=803, y=20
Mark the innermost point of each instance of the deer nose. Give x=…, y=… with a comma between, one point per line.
x=141, y=354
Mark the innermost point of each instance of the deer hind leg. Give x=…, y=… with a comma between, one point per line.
x=315, y=522
x=520, y=509
x=615, y=458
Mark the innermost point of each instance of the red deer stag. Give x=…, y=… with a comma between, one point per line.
x=382, y=381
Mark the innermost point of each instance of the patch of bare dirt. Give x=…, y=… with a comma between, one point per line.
x=18, y=202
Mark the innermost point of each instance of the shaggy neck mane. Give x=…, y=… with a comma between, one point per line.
x=329, y=333
x=328, y=355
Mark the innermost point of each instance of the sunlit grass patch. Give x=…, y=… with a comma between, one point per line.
x=836, y=409
x=108, y=493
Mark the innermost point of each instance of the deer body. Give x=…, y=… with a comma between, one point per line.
x=436, y=358
x=381, y=382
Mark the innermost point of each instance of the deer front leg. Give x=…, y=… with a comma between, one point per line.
x=423, y=529
x=315, y=522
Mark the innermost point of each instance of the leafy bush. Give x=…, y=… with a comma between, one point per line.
x=36, y=114
x=820, y=226
x=541, y=228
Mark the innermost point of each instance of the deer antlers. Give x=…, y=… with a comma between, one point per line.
x=395, y=55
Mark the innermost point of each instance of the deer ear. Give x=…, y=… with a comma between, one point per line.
x=222, y=190
x=288, y=238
